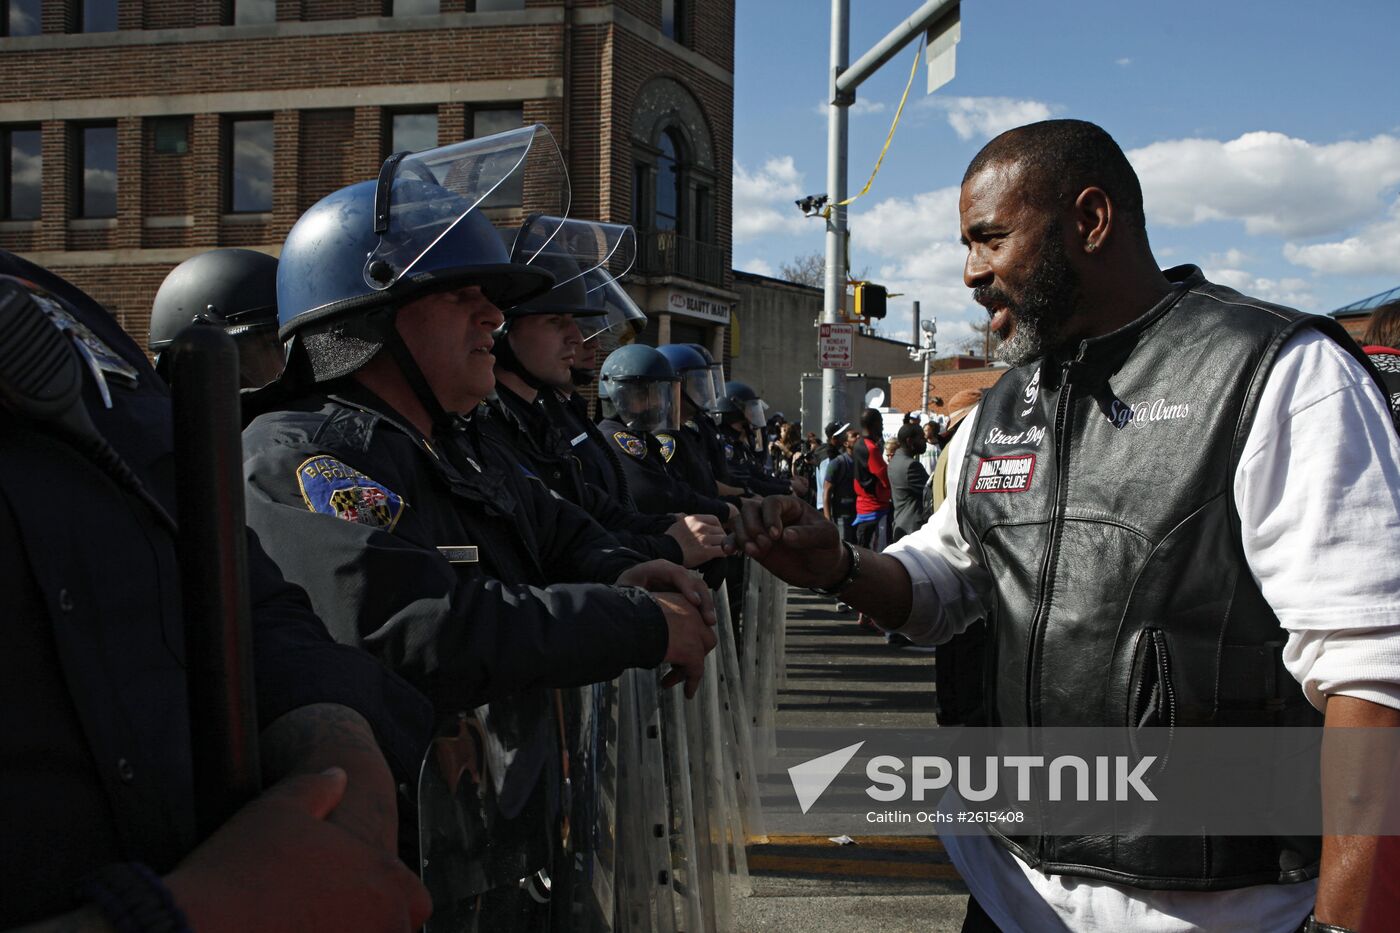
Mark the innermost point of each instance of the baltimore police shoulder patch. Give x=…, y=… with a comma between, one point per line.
x=728, y=451
x=668, y=446
x=632, y=444
x=332, y=488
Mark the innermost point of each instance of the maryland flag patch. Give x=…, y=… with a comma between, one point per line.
x=332, y=488
x=668, y=446
x=632, y=444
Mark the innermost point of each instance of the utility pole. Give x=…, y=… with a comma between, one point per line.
x=940, y=19
x=837, y=125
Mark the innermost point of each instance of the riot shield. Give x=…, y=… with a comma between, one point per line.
x=488, y=807
x=584, y=900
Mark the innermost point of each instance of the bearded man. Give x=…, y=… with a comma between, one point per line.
x=1172, y=479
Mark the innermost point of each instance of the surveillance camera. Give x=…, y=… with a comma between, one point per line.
x=928, y=326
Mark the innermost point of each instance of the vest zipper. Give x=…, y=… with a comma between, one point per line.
x=1042, y=607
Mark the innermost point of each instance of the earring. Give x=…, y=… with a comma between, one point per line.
x=1090, y=247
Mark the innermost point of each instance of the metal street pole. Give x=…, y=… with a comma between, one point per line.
x=837, y=122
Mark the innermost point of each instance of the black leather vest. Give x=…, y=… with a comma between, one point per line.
x=1097, y=492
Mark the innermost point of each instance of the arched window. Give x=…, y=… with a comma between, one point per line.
x=674, y=181
x=667, y=212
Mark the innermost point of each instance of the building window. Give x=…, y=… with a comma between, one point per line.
x=97, y=15
x=251, y=12
x=673, y=20
x=249, y=165
x=494, y=6
x=415, y=8
x=486, y=122
x=21, y=17
x=413, y=132
x=666, y=210
x=171, y=135
x=21, y=173
x=96, y=167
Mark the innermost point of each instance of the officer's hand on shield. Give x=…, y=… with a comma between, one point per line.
x=690, y=637
x=278, y=864
x=701, y=538
x=662, y=576
x=791, y=539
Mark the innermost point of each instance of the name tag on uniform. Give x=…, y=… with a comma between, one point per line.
x=459, y=555
x=579, y=440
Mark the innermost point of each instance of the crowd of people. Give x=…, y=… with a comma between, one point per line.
x=445, y=541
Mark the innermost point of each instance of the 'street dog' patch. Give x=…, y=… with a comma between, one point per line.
x=1004, y=474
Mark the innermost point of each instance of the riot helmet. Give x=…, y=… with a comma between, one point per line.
x=716, y=368
x=697, y=386
x=360, y=253
x=234, y=289
x=638, y=387
x=743, y=400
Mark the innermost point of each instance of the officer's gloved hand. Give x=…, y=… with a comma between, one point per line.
x=792, y=539
x=689, y=638
x=278, y=865
x=701, y=538
x=800, y=487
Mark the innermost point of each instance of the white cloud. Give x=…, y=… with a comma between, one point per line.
x=987, y=116
x=1373, y=250
x=1123, y=62
x=914, y=248
x=757, y=267
x=1294, y=292
x=1273, y=183
x=860, y=108
x=1230, y=259
x=763, y=199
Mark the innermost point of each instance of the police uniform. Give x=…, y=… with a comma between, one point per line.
x=598, y=457
x=435, y=558
x=526, y=427
x=746, y=467
x=644, y=459
x=94, y=723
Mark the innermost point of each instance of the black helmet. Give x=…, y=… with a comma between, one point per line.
x=235, y=289
x=360, y=253
x=638, y=387
x=716, y=370
x=741, y=399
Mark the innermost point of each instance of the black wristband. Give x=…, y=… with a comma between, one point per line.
x=852, y=572
x=133, y=899
x=1313, y=925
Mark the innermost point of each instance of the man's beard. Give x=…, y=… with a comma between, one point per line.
x=1048, y=300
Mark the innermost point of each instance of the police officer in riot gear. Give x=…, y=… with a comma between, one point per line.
x=535, y=350
x=741, y=415
x=235, y=289
x=639, y=394
x=698, y=455
x=419, y=538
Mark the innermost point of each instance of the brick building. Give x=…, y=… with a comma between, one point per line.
x=137, y=133
x=965, y=373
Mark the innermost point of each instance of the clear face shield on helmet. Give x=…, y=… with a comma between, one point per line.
x=596, y=254
x=698, y=386
x=423, y=196
x=717, y=377
x=647, y=406
x=755, y=412
x=617, y=313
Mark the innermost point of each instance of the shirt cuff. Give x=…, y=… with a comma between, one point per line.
x=935, y=587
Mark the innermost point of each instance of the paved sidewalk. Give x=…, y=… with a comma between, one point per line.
x=841, y=675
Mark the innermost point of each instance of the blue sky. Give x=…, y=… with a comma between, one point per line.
x=1266, y=134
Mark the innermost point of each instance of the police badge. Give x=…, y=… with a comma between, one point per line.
x=332, y=488
x=633, y=445
x=668, y=446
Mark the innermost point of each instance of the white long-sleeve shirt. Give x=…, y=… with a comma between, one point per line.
x=1318, y=495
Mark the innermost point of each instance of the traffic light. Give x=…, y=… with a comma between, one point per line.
x=870, y=301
